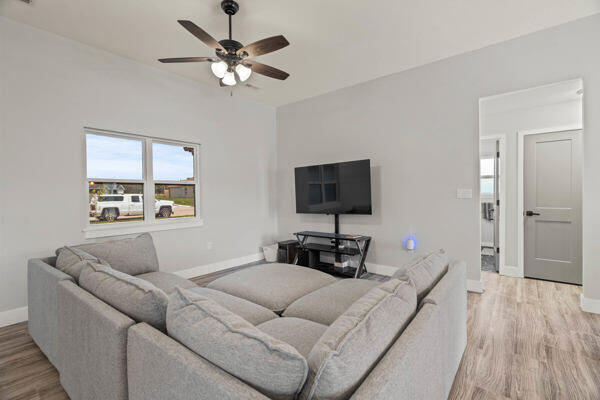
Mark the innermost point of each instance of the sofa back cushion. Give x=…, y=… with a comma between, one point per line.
x=132, y=256
x=72, y=260
x=233, y=344
x=137, y=298
x=354, y=343
x=425, y=272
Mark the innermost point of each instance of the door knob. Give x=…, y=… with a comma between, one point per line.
x=531, y=213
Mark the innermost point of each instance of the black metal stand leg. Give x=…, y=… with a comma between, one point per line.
x=363, y=255
x=301, y=241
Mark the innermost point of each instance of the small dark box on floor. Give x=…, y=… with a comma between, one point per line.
x=286, y=251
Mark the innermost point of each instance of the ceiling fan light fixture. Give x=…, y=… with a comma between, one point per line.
x=229, y=79
x=219, y=69
x=231, y=54
x=243, y=72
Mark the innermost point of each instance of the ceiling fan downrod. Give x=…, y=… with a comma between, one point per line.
x=230, y=7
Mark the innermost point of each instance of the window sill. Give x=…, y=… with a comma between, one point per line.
x=128, y=228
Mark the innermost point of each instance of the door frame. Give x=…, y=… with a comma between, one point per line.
x=501, y=138
x=521, y=189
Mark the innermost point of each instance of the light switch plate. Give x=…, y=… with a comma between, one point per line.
x=464, y=193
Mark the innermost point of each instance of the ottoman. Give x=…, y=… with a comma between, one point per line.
x=274, y=286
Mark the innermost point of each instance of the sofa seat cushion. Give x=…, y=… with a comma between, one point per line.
x=137, y=298
x=229, y=341
x=166, y=281
x=72, y=260
x=352, y=345
x=425, y=272
x=325, y=305
x=251, y=312
x=132, y=256
x=274, y=286
x=300, y=333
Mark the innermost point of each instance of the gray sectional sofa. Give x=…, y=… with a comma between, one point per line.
x=116, y=327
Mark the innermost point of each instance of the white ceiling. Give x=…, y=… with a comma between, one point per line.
x=334, y=43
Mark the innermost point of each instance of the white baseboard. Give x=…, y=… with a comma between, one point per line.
x=510, y=270
x=13, y=316
x=590, y=305
x=219, y=266
x=472, y=285
x=381, y=269
x=475, y=286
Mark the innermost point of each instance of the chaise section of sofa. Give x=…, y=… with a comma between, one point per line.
x=42, y=286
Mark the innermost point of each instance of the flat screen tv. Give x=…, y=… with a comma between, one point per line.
x=341, y=188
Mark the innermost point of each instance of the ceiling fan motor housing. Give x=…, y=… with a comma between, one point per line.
x=231, y=45
x=230, y=7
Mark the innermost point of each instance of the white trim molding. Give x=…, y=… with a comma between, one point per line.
x=128, y=228
x=475, y=286
x=219, y=266
x=13, y=316
x=590, y=305
x=513, y=271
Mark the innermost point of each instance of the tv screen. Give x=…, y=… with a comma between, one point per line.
x=341, y=188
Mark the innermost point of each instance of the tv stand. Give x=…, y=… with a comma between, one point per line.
x=361, y=247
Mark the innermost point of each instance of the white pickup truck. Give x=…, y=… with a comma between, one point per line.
x=109, y=207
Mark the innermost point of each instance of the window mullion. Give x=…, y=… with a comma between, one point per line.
x=148, y=182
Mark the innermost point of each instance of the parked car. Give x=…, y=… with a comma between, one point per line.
x=111, y=206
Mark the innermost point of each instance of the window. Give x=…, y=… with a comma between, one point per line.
x=173, y=171
x=487, y=170
x=124, y=171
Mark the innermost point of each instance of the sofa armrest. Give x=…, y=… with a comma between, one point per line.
x=161, y=368
x=450, y=295
x=412, y=366
x=92, y=346
x=42, y=282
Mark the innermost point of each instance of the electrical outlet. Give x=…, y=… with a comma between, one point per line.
x=209, y=245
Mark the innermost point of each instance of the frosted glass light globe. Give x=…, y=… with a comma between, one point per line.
x=243, y=72
x=229, y=79
x=219, y=69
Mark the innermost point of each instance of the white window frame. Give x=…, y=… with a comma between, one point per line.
x=150, y=223
x=486, y=196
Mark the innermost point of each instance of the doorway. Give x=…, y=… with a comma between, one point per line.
x=490, y=172
x=518, y=117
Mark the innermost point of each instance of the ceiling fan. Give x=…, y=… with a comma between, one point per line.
x=233, y=62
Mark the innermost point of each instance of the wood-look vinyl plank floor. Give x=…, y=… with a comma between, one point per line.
x=527, y=339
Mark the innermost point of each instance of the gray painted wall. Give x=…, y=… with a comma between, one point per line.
x=52, y=87
x=420, y=129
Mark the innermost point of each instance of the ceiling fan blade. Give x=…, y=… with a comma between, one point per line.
x=264, y=46
x=186, y=59
x=266, y=70
x=202, y=35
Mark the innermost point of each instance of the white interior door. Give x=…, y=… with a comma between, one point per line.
x=552, y=206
